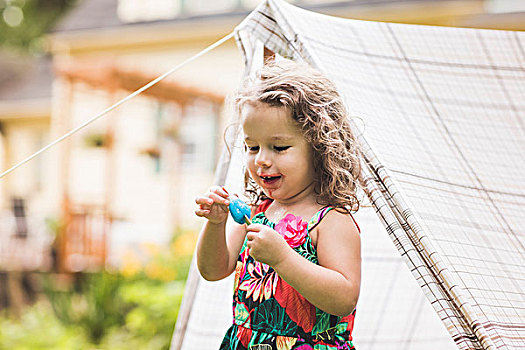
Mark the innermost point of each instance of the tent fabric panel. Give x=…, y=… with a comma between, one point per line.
x=419, y=89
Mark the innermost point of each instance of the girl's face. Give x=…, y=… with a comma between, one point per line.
x=278, y=157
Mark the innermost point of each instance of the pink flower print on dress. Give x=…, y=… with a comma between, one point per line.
x=293, y=229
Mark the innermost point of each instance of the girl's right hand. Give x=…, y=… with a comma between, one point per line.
x=213, y=205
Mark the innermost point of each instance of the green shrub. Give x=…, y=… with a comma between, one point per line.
x=37, y=329
x=95, y=306
x=152, y=321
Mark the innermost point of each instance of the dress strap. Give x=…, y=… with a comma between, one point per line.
x=316, y=219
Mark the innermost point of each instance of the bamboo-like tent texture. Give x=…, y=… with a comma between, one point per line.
x=443, y=111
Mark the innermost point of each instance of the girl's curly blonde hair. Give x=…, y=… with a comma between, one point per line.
x=318, y=110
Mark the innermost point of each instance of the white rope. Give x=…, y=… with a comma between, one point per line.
x=125, y=99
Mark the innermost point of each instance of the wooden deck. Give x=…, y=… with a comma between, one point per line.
x=80, y=245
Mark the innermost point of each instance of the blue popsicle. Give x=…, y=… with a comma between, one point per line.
x=239, y=211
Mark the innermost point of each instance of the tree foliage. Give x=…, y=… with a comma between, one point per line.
x=23, y=22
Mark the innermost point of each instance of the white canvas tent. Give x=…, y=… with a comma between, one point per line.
x=444, y=140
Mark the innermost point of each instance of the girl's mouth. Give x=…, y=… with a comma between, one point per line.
x=269, y=179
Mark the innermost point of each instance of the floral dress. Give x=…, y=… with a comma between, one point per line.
x=268, y=314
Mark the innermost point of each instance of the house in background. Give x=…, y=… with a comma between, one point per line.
x=25, y=124
x=131, y=176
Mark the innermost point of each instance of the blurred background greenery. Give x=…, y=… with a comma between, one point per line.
x=25, y=21
x=133, y=307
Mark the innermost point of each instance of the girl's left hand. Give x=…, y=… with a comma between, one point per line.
x=266, y=245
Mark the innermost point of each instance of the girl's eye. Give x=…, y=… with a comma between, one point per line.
x=281, y=148
x=253, y=148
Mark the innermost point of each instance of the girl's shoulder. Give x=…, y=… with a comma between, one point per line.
x=335, y=218
x=337, y=235
x=329, y=219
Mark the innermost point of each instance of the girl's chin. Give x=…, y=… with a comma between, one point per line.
x=271, y=193
x=275, y=195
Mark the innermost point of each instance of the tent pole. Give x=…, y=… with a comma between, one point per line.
x=192, y=283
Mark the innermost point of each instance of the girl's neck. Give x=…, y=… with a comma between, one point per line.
x=305, y=197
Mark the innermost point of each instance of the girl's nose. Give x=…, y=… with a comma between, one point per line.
x=263, y=160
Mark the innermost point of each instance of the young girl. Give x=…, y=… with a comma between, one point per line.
x=298, y=264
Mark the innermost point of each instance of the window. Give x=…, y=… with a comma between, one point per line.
x=19, y=212
x=198, y=137
x=188, y=153
x=144, y=10
x=503, y=6
x=205, y=7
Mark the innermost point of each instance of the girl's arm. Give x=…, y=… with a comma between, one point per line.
x=217, y=250
x=333, y=285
